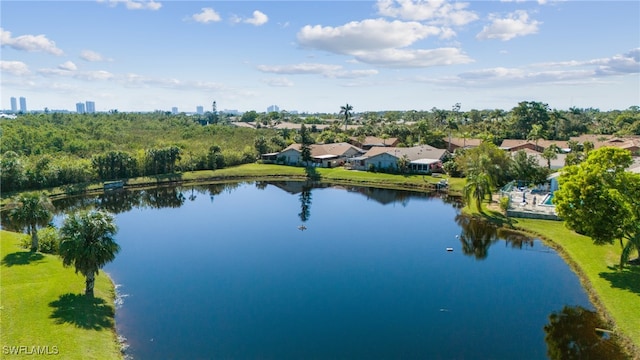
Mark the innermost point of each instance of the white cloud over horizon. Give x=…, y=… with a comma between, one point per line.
x=16, y=68
x=31, y=43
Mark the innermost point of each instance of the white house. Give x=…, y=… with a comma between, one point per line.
x=324, y=155
x=422, y=159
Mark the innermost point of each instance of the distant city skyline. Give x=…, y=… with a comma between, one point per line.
x=315, y=56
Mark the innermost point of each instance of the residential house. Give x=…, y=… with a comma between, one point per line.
x=324, y=155
x=422, y=159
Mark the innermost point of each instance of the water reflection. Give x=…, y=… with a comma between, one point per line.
x=477, y=235
x=575, y=333
x=305, y=204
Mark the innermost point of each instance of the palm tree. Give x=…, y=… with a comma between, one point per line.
x=477, y=186
x=87, y=243
x=550, y=153
x=346, y=110
x=633, y=242
x=536, y=134
x=31, y=210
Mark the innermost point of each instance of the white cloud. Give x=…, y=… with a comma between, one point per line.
x=297, y=69
x=80, y=75
x=206, y=16
x=326, y=70
x=29, y=43
x=436, y=12
x=258, y=19
x=515, y=24
x=135, y=5
x=17, y=68
x=91, y=56
x=563, y=72
x=278, y=82
x=366, y=35
x=68, y=66
x=382, y=42
x=414, y=58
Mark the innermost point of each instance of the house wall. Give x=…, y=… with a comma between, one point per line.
x=382, y=161
x=292, y=157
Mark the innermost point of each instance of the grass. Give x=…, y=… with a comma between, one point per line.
x=614, y=292
x=43, y=304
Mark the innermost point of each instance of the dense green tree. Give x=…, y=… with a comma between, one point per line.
x=12, y=174
x=486, y=158
x=527, y=114
x=30, y=210
x=600, y=199
x=525, y=167
x=305, y=144
x=88, y=243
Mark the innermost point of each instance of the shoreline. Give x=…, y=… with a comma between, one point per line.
x=259, y=172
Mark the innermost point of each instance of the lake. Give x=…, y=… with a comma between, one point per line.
x=292, y=270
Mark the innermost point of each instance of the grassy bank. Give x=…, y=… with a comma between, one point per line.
x=615, y=293
x=43, y=304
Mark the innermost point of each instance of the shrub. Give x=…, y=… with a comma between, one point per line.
x=504, y=203
x=48, y=240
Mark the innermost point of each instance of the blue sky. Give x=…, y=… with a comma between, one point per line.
x=314, y=56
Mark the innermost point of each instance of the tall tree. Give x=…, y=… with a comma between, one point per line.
x=477, y=187
x=87, y=243
x=550, y=153
x=599, y=198
x=305, y=144
x=31, y=210
x=346, y=110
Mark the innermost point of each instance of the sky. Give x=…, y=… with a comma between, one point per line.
x=315, y=56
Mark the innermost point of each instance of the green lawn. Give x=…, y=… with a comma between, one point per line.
x=616, y=293
x=43, y=304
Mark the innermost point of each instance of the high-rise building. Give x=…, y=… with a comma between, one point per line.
x=273, y=108
x=14, y=105
x=23, y=105
x=174, y=110
x=80, y=108
x=91, y=107
x=200, y=110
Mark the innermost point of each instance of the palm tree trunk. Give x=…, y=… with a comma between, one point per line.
x=34, y=238
x=90, y=282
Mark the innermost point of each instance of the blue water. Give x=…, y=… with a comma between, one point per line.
x=229, y=275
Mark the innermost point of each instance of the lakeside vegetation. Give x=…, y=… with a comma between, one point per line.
x=43, y=305
x=67, y=154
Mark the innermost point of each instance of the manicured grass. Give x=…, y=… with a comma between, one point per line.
x=616, y=293
x=43, y=304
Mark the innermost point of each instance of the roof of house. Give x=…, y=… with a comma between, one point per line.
x=462, y=142
x=599, y=141
x=376, y=141
x=323, y=151
x=413, y=153
x=542, y=143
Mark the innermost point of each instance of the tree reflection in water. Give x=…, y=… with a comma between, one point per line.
x=305, y=204
x=477, y=235
x=572, y=334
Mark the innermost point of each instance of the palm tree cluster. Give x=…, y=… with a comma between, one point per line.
x=86, y=239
